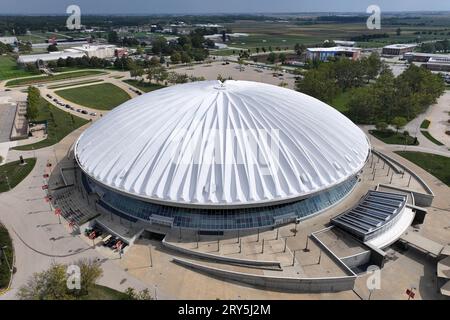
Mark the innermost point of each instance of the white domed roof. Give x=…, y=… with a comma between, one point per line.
x=213, y=144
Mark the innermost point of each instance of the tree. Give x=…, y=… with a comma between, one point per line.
x=52, y=48
x=175, y=58
x=360, y=105
x=33, y=101
x=272, y=57
x=51, y=284
x=319, y=84
x=113, y=37
x=398, y=31
x=282, y=57
x=381, y=126
x=185, y=58
x=399, y=122
x=141, y=295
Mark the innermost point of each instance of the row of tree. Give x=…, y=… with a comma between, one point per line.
x=33, y=101
x=59, y=282
x=325, y=81
x=390, y=98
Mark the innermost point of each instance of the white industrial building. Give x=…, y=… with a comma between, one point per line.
x=99, y=51
x=46, y=57
x=9, y=40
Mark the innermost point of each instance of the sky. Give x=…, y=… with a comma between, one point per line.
x=215, y=6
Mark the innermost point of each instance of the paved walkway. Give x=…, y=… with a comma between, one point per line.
x=38, y=238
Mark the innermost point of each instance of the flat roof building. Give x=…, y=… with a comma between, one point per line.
x=45, y=57
x=344, y=43
x=398, y=49
x=9, y=40
x=323, y=54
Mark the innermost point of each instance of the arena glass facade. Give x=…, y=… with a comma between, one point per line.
x=217, y=219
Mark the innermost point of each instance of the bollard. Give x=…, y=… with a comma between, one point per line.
x=285, y=244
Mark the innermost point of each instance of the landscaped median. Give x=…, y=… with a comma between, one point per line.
x=431, y=138
x=57, y=77
x=104, y=96
x=144, y=86
x=436, y=165
x=12, y=173
x=392, y=137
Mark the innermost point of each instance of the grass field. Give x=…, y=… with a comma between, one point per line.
x=60, y=124
x=99, y=292
x=431, y=138
x=425, y=124
x=5, y=273
x=391, y=137
x=435, y=164
x=144, y=86
x=105, y=96
x=9, y=69
x=57, y=77
x=15, y=173
x=64, y=85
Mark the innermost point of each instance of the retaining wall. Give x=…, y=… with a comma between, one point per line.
x=311, y=285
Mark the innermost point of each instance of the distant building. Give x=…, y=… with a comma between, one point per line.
x=343, y=43
x=323, y=54
x=12, y=41
x=99, y=51
x=46, y=57
x=425, y=57
x=120, y=52
x=218, y=45
x=398, y=49
x=431, y=61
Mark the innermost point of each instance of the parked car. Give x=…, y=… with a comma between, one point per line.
x=78, y=110
x=93, y=114
x=84, y=112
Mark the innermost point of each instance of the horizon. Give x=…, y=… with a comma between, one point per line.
x=214, y=7
x=438, y=12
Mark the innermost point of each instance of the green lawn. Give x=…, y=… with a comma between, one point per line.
x=57, y=77
x=144, y=86
x=12, y=173
x=425, y=124
x=431, y=138
x=99, y=292
x=105, y=96
x=60, y=124
x=77, y=83
x=437, y=165
x=9, y=69
x=391, y=137
x=5, y=273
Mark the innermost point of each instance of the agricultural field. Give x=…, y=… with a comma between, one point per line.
x=277, y=34
x=105, y=96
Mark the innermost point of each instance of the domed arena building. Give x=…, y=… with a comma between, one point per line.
x=219, y=156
